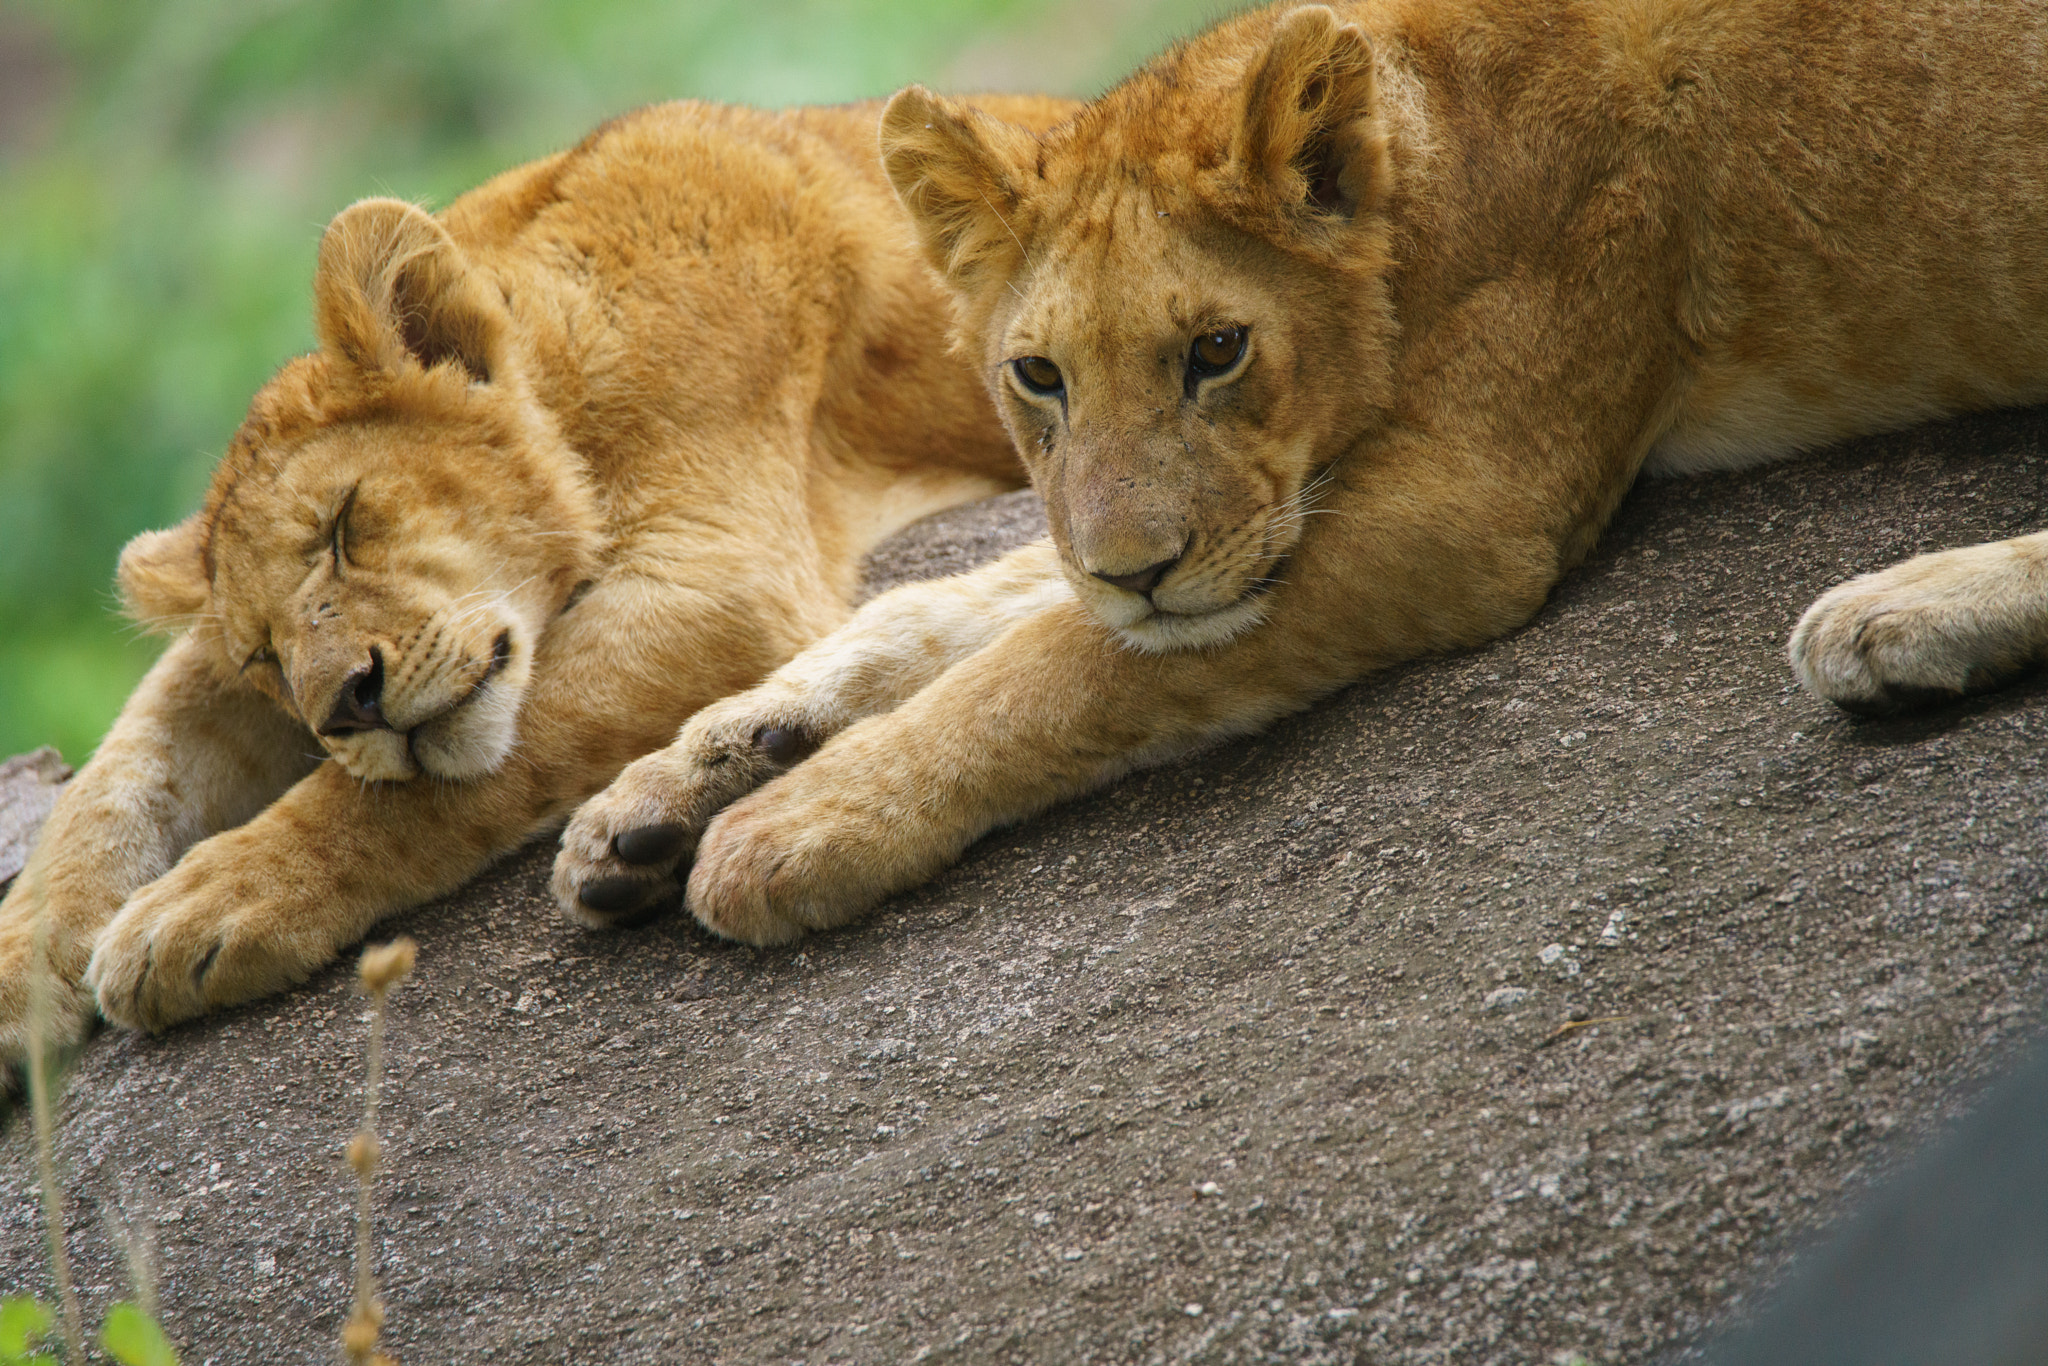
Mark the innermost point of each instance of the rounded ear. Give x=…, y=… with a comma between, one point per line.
x=958, y=172
x=163, y=575
x=1310, y=140
x=392, y=289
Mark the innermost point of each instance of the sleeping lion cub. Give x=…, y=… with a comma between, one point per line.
x=1333, y=338
x=604, y=441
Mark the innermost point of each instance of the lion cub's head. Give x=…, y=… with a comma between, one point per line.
x=395, y=523
x=1178, y=300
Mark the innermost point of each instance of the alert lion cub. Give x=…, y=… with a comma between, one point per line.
x=604, y=441
x=1333, y=338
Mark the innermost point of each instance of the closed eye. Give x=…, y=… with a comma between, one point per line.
x=337, y=533
x=262, y=655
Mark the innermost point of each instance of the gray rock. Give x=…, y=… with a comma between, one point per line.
x=29, y=784
x=1264, y=968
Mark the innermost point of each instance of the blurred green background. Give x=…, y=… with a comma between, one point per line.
x=166, y=168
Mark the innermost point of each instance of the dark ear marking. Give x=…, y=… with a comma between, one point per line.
x=451, y=336
x=1323, y=170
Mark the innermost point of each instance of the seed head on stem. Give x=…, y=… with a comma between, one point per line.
x=382, y=968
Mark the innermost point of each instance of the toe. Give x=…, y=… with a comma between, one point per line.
x=649, y=844
x=612, y=896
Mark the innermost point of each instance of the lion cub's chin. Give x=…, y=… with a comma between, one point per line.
x=473, y=740
x=1144, y=627
x=379, y=757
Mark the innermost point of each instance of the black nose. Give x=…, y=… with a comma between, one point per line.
x=357, y=708
x=1145, y=580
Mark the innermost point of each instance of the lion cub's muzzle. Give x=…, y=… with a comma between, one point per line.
x=366, y=741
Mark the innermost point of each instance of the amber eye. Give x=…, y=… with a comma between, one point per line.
x=1215, y=352
x=1039, y=375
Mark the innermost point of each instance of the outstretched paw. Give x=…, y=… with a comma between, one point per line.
x=821, y=845
x=201, y=936
x=626, y=851
x=1930, y=630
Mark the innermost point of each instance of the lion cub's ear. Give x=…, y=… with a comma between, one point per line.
x=163, y=575
x=392, y=288
x=957, y=169
x=1310, y=140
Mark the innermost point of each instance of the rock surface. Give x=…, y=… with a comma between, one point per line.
x=1524, y=1003
x=29, y=784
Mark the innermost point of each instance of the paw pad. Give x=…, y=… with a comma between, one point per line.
x=782, y=745
x=613, y=895
x=648, y=844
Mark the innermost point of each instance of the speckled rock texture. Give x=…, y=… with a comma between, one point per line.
x=29, y=784
x=1531, y=1002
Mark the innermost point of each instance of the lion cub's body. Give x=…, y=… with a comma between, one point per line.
x=1335, y=335
x=602, y=443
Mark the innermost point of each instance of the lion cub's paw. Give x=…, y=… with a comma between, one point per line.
x=813, y=849
x=625, y=852
x=1929, y=630
x=194, y=939
x=767, y=873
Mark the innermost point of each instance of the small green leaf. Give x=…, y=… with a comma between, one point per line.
x=132, y=1338
x=23, y=1323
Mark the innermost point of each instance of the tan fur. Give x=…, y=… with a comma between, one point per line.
x=601, y=443
x=1491, y=258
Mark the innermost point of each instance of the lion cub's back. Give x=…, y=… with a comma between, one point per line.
x=1874, y=244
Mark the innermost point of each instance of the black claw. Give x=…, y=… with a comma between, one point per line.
x=613, y=895
x=784, y=746
x=649, y=844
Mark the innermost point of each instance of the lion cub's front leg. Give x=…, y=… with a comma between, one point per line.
x=259, y=907
x=1932, y=628
x=627, y=849
x=193, y=752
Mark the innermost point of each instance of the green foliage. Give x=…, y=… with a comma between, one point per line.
x=24, y=1325
x=129, y=1335
x=133, y=1338
x=160, y=205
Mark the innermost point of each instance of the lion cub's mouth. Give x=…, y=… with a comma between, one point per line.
x=1163, y=631
x=501, y=655
x=435, y=729
x=464, y=739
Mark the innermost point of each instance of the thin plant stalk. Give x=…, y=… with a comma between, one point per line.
x=137, y=1241
x=43, y=1106
x=381, y=969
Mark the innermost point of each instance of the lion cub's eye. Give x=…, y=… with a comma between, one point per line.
x=263, y=655
x=1215, y=352
x=1039, y=375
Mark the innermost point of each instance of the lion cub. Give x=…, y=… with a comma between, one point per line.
x=604, y=441
x=1333, y=337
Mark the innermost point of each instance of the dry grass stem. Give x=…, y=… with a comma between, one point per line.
x=382, y=968
x=42, y=1104
x=137, y=1241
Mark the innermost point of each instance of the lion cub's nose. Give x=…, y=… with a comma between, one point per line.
x=1145, y=580
x=358, y=709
